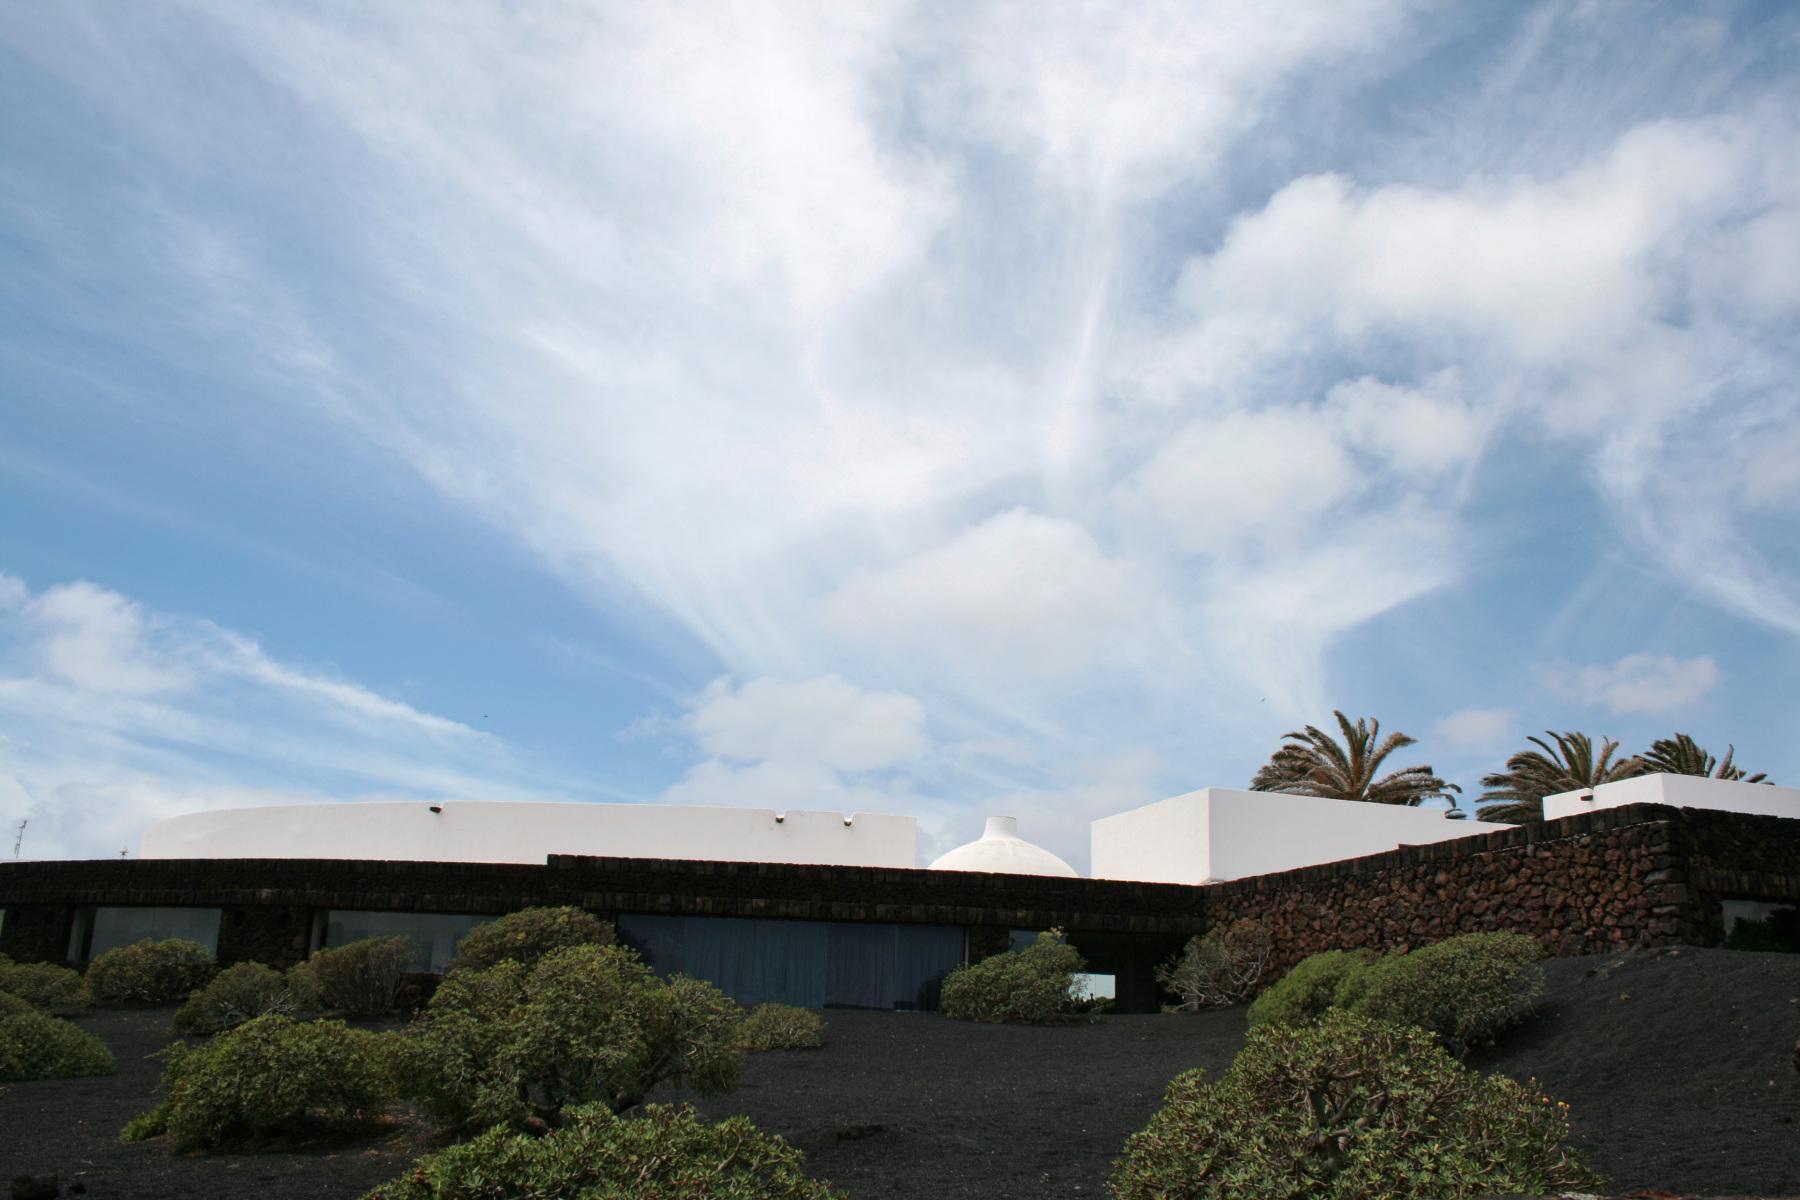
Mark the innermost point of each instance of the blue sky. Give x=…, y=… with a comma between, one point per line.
x=931, y=409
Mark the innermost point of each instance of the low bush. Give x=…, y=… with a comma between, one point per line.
x=11, y=1005
x=361, y=978
x=665, y=1154
x=1343, y=1109
x=527, y=935
x=1310, y=987
x=41, y=985
x=150, y=972
x=1224, y=966
x=271, y=1076
x=782, y=1027
x=1033, y=985
x=586, y=1024
x=243, y=993
x=1466, y=989
x=34, y=1045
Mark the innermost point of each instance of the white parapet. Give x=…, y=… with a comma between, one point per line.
x=1227, y=833
x=505, y=832
x=1679, y=791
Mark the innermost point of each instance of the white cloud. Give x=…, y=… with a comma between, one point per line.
x=97, y=641
x=1476, y=727
x=782, y=786
x=1020, y=594
x=1654, y=684
x=825, y=721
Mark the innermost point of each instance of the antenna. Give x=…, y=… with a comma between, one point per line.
x=20, y=838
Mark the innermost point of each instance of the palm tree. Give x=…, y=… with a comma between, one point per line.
x=1517, y=793
x=1313, y=763
x=1682, y=755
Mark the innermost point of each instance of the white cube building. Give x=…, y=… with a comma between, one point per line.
x=1228, y=833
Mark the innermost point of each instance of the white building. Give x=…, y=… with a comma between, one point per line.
x=1228, y=833
x=1679, y=791
x=503, y=832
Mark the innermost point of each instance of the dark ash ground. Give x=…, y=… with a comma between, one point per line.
x=1678, y=1066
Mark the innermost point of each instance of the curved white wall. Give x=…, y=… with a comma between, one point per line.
x=482, y=831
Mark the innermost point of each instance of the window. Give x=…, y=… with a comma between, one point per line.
x=105, y=927
x=434, y=935
x=814, y=964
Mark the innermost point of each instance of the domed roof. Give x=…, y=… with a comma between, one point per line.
x=1002, y=851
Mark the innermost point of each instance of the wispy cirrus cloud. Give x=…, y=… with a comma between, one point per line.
x=1088, y=379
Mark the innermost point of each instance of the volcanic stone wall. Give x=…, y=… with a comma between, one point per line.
x=1613, y=879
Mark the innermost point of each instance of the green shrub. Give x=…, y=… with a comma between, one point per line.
x=1032, y=985
x=271, y=1076
x=1225, y=966
x=782, y=1027
x=1310, y=987
x=41, y=985
x=34, y=1045
x=11, y=1005
x=243, y=993
x=527, y=935
x=1344, y=1109
x=587, y=1023
x=150, y=972
x=1466, y=989
x=666, y=1154
x=361, y=978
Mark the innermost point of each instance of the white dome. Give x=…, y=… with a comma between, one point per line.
x=1002, y=851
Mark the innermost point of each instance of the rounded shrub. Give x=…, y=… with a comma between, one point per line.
x=361, y=978
x=782, y=1027
x=665, y=1154
x=1343, y=1109
x=527, y=935
x=587, y=1024
x=41, y=985
x=1309, y=988
x=1467, y=989
x=34, y=1045
x=11, y=1005
x=242, y=993
x=1029, y=986
x=270, y=1076
x=1224, y=966
x=150, y=972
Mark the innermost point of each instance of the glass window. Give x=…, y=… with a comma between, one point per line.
x=1761, y=925
x=808, y=963
x=110, y=926
x=434, y=935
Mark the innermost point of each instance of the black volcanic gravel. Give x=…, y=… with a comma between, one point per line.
x=1678, y=1064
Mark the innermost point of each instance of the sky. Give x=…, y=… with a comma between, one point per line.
x=919, y=408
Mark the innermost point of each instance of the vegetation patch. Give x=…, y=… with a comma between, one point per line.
x=1467, y=990
x=150, y=972
x=1311, y=987
x=587, y=1024
x=782, y=1027
x=665, y=1154
x=41, y=985
x=34, y=1045
x=271, y=1077
x=361, y=978
x=242, y=993
x=527, y=935
x=1224, y=966
x=1029, y=986
x=1343, y=1109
